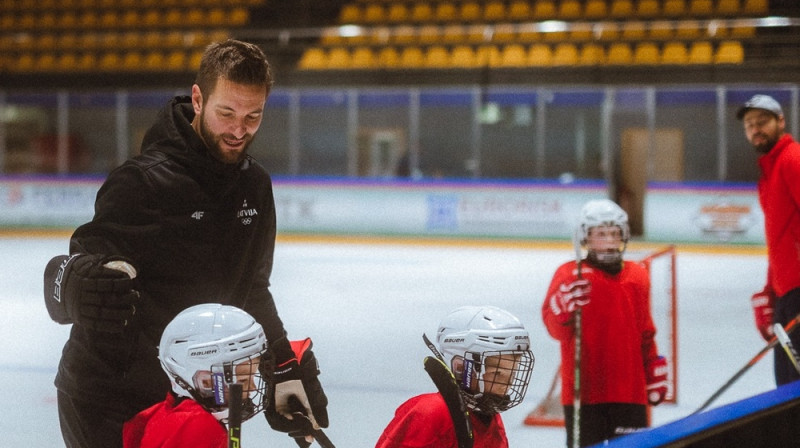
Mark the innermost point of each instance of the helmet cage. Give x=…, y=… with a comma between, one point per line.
x=211, y=387
x=496, y=386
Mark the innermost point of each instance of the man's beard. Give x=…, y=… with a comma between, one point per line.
x=768, y=144
x=212, y=141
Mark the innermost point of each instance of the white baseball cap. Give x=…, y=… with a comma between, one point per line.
x=764, y=102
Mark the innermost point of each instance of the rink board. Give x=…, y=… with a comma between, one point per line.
x=771, y=419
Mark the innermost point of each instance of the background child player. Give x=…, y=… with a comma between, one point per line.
x=620, y=368
x=203, y=350
x=488, y=351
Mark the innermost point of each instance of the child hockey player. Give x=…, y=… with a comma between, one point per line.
x=203, y=350
x=488, y=351
x=620, y=369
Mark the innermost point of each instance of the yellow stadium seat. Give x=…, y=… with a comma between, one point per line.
x=595, y=9
x=68, y=41
x=648, y=9
x=454, y=33
x=608, y=31
x=46, y=62
x=528, y=33
x=437, y=56
x=661, y=30
x=514, y=55
x=338, y=58
x=470, y=11
x=388, y=57
x=176, y=60
x=130, y=39
x=109, y=61
x=519, y=10
x=428, y=34
x=729, y=52
x=727, y=7
x=238, y=17
x=411, y=57
x=621, y=9
x=463, y=56
x=619, y=53
x=581, y=32
x=216, y=17
x=132, y=61
x=374, y=13
x=544, y=9
x=350, y=13
x=363, y=58
x=504, y=32
x=539, y=55
x=46, y=41
x=47, y=21
x=488, y=56
x=130, y=19
x=421, y=12
x=755, y=7
x=331, y=36
x=154, y=60
x=569, y=10
x=67, y=62
x=398, y=13
x=494, y=11
x=633, y=30
x=565, y=53
x=404, y=34
x=152, y=18
x=674, y=8
x=592, y=54
x=313, y=58
x=173, y=39
x=701, y=52
x=742, y=32
x=688, y=29
x=379, y=35
x=646, y=53
x=195, y=57
x=674, y=53
x=446, y=11
x=25, y=63
x=701, y=8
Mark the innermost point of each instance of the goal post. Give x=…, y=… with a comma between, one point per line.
x=661, y=265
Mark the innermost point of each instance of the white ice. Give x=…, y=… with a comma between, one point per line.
x=366, y=307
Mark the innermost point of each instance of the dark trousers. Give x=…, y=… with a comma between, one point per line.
x=786, y=308
x=605, y=421
x=90, y=425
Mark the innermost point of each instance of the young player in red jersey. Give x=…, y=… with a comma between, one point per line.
x=621, y=371
x=488, y=351
x=203, y=350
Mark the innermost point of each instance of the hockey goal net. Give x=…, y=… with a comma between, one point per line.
x=661, y=265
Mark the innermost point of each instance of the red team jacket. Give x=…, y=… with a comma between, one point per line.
x=424, y=422
x=617, y=335
x=779, y=194
x=165, y=425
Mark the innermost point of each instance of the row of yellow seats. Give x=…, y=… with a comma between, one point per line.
x=523, y=10
x=31, y=5
x=112, y=19
x=517, y=55
x=110, y=40
x=132, y=61
x=508, y=32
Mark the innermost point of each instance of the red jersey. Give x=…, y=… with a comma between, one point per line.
x=165, y=425
x=424, y=422
x=779, y=195
x=617, y=335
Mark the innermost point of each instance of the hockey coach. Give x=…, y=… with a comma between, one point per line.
x=189, y=220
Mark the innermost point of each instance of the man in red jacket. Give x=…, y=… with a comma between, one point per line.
x=620, y=368
x=779, y=194
x=487, y=349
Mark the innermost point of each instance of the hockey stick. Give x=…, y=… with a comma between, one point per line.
x=576, y=394
x=234, y=415
x=448, y=388
x=784, y=340
x=773, y=342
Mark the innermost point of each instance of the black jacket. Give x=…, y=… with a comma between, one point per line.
x=197, y=230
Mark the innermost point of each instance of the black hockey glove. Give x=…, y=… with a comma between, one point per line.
x=96, y=292
x=294, y=388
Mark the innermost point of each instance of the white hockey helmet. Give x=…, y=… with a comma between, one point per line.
x=604, y=212
x=207, y=347
x=488, y=351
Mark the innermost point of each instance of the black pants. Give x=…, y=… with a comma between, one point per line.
x=89, y=425
x=605, y=421
x=786, y=308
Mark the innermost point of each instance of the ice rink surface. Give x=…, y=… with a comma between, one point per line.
x=366, y=306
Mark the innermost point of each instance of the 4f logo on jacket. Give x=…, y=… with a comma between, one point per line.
x=246, y=214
